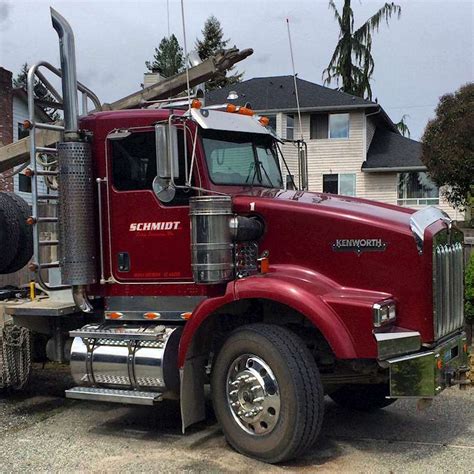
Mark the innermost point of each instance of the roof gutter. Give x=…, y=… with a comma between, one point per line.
x=327, y=108
x=399, y=169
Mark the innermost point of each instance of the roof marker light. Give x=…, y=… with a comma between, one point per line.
x=196, y=104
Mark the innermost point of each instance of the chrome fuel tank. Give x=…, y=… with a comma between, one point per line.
x=126, y=357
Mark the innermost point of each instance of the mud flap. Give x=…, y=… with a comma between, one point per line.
x=192, y=398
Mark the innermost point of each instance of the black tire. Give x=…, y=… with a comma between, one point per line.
x=299, y=389
x=25, y=242
x=360, y=397
x=9, y=231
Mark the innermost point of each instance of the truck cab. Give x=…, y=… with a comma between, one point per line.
x=192, y=262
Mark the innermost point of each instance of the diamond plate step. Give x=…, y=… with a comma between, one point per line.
x=142, y=334
x=133, y=397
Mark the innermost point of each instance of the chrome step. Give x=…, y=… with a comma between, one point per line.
x=133, y=397
x=92, y=332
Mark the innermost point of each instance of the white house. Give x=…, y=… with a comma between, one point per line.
x=353, y=146
x=13, y=112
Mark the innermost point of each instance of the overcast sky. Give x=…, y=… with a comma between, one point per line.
x=426, y=53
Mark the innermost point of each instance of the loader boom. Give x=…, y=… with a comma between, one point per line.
x=17, y=153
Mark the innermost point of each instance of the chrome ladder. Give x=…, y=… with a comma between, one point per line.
x=34, y=172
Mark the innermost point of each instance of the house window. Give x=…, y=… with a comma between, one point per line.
x=344, y=184
x=290, y=127
x=416, y=189
x=24, y=183
x=325, y=126
x=22, y=132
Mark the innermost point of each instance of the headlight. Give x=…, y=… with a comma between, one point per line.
x=384, y=312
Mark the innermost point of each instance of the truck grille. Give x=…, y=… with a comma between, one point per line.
x=448, y=288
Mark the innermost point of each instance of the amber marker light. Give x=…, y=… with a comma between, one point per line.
x=439, y=364
x=264, y=265
x=246, y=111
x=196, y=104
x=152, y=315
x=231, y=108
x=27, y=125
x=30, y=220
x=186, y=316
x=264, y=121
x=115, y=315
x=464, y=348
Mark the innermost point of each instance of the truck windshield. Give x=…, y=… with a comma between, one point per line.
x=241, y=159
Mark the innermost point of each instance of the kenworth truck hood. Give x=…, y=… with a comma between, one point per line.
x=358, y=244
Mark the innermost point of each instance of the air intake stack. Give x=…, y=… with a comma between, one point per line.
x=76, y=190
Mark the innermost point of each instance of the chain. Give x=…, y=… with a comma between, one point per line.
x=15, y=356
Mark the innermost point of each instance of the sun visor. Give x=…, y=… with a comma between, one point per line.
x=219, y=120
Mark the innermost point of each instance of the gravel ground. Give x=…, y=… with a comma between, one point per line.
x=42, y=431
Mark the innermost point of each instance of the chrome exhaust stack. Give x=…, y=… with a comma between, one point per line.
x=76, y=185
x=67, y=52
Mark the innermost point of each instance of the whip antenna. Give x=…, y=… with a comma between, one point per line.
x=186, y=65
x=294, y=78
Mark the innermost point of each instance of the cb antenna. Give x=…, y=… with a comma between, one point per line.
x=186, y=65
x=294, y=78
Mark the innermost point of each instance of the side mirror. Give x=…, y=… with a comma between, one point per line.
x=167, y=165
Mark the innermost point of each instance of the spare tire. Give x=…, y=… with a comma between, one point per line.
x=25, y=241
x=9, y=231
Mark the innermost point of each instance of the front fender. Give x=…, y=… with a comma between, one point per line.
x=305, y=291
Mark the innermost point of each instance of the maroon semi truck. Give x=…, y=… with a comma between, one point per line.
x=193, y=262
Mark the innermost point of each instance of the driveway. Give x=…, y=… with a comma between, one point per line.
x=40, y=430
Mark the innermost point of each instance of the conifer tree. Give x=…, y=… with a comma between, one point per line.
x=168, y=58
x=212, y=42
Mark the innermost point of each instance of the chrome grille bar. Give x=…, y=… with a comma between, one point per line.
x=448, y=287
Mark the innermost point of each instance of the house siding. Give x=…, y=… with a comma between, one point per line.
x=328, y=156
x=335, y=156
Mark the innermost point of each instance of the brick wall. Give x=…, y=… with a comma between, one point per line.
x=6, y=120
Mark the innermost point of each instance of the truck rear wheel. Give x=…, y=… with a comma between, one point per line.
x=267, y=393
x=363, y=397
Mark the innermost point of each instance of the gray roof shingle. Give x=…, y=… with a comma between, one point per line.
x=278, y=93
x=391, y=151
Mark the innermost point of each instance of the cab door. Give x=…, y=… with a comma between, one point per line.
x=148, y=240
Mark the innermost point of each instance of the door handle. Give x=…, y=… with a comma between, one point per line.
x=123, y=262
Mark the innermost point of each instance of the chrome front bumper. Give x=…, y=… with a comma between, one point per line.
x=427, y=373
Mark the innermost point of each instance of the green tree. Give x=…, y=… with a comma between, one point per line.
x=168, y=58
x=448, y=146
x=212, y=42
x=352, y=63
x=403, y=127
x=41, y=91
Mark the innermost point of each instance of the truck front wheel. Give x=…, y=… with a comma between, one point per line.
x=267, y=393
x=363, y=397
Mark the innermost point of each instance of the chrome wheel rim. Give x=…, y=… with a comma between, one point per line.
x=253, y=395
